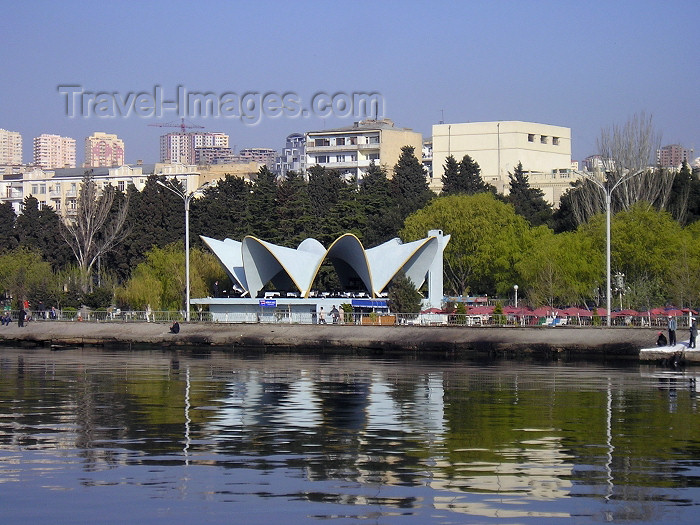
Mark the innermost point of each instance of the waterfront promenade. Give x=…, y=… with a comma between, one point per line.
x=458, y=341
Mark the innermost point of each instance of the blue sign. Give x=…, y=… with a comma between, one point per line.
x=268, y=303
x=369, y=303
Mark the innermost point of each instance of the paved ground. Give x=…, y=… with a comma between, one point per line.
x=467, y=341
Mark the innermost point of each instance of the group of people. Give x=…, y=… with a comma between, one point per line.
x=672, y=327
x=335, y=315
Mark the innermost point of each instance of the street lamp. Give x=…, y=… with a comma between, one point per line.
x=186, y=197
x=515, y=287
x=607, y=190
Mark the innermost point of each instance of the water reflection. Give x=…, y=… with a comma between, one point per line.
x=346, y=438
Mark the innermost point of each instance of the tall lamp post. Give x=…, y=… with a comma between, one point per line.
x=608, y=190
x=515, y=287
x=187, y=198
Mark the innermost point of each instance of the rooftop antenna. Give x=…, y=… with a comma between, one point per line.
x=442, y=116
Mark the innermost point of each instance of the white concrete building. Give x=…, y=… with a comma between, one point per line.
x=543, y=149
x=10, y=147
x=54, y=151
x=350, y=150
x=180, y=147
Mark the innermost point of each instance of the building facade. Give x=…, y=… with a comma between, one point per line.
x=293, y=157
x=54, y=151
x=181, y=147
x=213, y=155
x=543, y=149
x=10, y=147
x=264, y=156
x=350, y=150
x=59, y=188
x=673, y=156
x=103, y=150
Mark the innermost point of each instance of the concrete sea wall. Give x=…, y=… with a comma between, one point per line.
x=618, y=342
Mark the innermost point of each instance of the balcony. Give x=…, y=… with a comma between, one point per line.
x=331, y=149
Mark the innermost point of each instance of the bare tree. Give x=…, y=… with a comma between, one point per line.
x=95, y=228
x=627, y=151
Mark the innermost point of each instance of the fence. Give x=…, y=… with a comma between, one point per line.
x=350, y=318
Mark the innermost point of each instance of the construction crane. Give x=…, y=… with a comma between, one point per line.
x=183, y=127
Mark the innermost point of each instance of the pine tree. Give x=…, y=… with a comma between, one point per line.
x=403, y=296
x=8, y=241
x=262, y=207
x=528, y=202
x=294, y=217
x=470, y=177
x=451, y=182
x=409, y=186
x=381, y=218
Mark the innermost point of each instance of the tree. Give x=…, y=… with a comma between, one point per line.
x=409, y=185
x=561, y=270
x=470, y=175
x=527, y=201
x=403, y=296
x=627, y=151
x=94, y=229
x=8, y=217
x=684, y=201
x=294, y=215
x=262, y=206
x=563, y=218
x=221, y=212
x=39, y=229
x=24, y=275
x=160, y=279
x=382, y=221
x=450, y=178
x=488, y=239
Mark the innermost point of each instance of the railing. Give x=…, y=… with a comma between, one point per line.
x=348, y=318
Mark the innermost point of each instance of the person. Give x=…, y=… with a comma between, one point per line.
x=6, y=319
x=335, y=315
x=53, y=314
x=661, y=340
x=175, y=328
x=21, y=316
x=672, y=325
x=321, y=316
x=148, y=313
x=693, y=333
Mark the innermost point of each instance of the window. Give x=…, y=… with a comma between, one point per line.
x=555, y=141
x=322, y=159
x=57, y=205
x=35, y=189
x=373, y=140
x=71, y=204
x=544, y=139
x=531, y=137
x=340, y=142
x=42, y=189
x=322, y=142
x=352, y=141
x=120, y=185
x=340, y=158
x=374, y=156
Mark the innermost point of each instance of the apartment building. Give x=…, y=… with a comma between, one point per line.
x=10, y=147
x=673, y=156
x=350, y=150
x=543, y=149
x=264, y=156
x=59, y=188
x=181, y=147
x=103, y=150
x=54, y=151
x=293, y=156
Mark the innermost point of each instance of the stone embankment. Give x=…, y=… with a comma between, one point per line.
x=457, y=341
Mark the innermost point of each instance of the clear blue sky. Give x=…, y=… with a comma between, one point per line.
x=583, y=65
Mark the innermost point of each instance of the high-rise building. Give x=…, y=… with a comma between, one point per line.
x=673, y=156
x=53, y=151
x=103, y=149
x=10, y=147
x=180, y=147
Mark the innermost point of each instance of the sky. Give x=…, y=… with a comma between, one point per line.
x=583, y=65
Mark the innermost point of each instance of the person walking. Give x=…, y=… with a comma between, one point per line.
x=672, y=326
x=693, y=333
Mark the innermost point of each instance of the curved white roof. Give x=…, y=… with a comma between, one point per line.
x=254, y=262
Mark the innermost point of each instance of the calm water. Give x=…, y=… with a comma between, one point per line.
x=95, y=436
